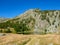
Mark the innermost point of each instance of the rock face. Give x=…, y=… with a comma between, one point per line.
x=40, y=22
x=47, y=21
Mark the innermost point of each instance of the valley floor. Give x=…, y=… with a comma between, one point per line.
x=20, y=39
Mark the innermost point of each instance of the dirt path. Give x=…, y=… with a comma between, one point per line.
x=33, y=41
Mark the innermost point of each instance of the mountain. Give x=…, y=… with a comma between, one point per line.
x=3, y=19
x=35, y=21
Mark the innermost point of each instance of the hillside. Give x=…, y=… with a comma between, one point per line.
x=34, y=21
x=2, y=19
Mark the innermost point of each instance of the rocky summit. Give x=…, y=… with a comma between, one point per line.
x=34, y=21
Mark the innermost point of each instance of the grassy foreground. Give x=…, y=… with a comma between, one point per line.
x=19, y=39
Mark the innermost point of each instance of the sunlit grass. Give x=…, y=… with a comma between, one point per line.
x=18, y=39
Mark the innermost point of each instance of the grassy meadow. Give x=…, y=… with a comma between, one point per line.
x=20, y=39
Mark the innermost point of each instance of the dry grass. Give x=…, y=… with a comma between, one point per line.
x=12, y=39
x=18, y=39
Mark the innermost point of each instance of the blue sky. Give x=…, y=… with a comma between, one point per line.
x=12, y=8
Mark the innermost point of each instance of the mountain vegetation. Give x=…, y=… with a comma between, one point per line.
x=33, y=21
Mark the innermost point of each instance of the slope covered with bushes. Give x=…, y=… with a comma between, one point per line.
x=33, y=21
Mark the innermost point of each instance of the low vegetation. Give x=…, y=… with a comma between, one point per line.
x=19, y=39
